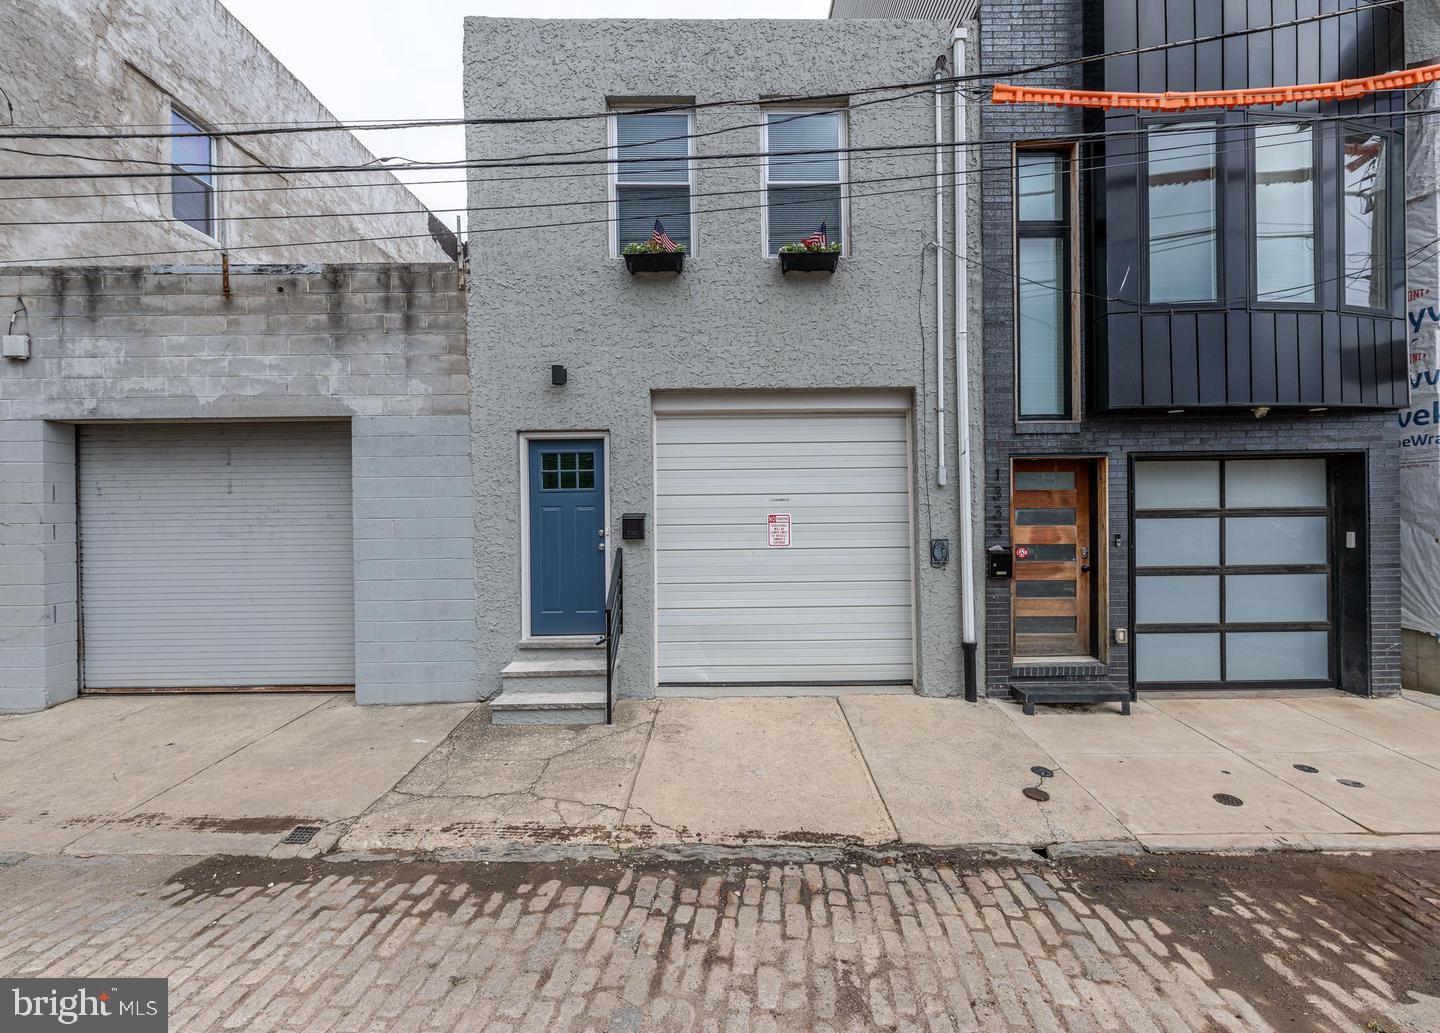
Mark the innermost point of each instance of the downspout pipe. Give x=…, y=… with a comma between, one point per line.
x=941, y=474
x=960, y=200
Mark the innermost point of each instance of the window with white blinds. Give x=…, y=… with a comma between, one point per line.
x=651, y=178
x=804, y=176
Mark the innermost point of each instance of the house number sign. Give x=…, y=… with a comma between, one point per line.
x=778, y=526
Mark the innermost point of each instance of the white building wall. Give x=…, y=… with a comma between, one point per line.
x=108, y=63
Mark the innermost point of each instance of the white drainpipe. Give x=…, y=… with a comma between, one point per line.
x=960, y=198
x=941, y=476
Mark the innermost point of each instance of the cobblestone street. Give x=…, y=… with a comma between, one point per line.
x=1272, y=942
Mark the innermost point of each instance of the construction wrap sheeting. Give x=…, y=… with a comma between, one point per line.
x=1419, y=425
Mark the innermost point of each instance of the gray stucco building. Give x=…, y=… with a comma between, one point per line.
x=777, y=432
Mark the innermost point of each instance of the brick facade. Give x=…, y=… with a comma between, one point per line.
x=1013, y=36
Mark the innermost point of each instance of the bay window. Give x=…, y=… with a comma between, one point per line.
x=1285, y=214
x=651, y=176
x=1183, y=214
x=1366, y=231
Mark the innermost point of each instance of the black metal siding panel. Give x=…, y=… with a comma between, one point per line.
x=1184, y=367
x=1210, y=357
x=1262, y=359
x=1287, y=359
x=1310, y=330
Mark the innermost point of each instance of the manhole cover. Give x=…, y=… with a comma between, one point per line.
x=1351, y=783
x=1043, y=771
x=1036, y=794
x=1228, y=800
x=301, y=834
x=1307, y=769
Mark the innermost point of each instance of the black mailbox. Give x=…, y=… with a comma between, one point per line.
x=1001, y=561
x=632, y=527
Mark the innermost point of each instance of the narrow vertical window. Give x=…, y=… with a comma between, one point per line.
x=652, y=176
x=803, y=177
x=1042, y=292
x=1367, y=222
x=192, y=185
x=1183, y=215
x=1284, y=214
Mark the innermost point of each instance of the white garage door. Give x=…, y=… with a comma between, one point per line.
x=216, y=555
x=832, y=607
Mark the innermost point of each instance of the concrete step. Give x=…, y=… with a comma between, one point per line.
x=584, y=707
x=567, y=690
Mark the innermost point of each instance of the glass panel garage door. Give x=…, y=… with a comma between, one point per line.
x=1232, y=573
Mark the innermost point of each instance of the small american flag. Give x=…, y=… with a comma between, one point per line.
x=817, y=239
x=659, y=236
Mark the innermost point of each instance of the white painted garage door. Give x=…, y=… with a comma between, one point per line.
x=834, y=607
x=216, y=555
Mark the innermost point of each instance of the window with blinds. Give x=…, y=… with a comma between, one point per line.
x=192, y=185
x=1043, y=325
x=804, y=176
x=651, y=176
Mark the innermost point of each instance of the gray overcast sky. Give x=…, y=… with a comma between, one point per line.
x=400, y=59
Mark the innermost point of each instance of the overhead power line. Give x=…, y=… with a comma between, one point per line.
x=925, y=146
x=32, y=134
x=1080, y=165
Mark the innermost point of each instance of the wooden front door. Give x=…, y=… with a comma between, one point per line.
x=1054, y=556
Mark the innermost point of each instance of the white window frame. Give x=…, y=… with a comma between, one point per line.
x=218, y=237
x=844, y=182
x=612, y=180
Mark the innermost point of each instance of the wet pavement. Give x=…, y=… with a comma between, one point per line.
x=768, y=941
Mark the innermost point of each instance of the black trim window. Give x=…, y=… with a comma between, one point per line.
x=1042, y=294
x=1365, y=233
x=192, y=185
x=1183, y=212
x=1285, y=185
x=1232, y=580
x=651, y=179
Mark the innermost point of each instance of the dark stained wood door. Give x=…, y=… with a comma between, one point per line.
x=1050, y=534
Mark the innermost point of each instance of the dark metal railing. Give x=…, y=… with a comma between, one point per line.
x=614, y=628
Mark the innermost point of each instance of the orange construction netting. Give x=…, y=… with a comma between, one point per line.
x=1345, y=89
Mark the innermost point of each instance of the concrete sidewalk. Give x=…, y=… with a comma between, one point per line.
x=235, y=774
x=879, y=770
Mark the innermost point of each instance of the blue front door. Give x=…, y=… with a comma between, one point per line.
x=567, y=537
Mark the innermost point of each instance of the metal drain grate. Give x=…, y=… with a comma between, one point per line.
x=1351, y=783
x=301, y=834
x=1228, y=800
x=1307, y=769
x=1043, y=771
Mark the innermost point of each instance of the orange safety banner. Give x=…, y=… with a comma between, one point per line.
x=1345, y=89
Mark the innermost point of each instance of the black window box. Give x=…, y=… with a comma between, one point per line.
x=809, y=261
x=655, y=262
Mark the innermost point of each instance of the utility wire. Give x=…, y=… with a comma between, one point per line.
x=1080, y=165
x=929, y=145
x=703, y=105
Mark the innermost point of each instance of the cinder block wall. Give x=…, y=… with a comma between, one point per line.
x=414, y=559
x=381, y=346
x=38, y=610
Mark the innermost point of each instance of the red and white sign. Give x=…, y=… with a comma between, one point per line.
x=779, y=528
x=1022, y=553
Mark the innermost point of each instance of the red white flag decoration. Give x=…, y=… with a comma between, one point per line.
x=659, y=236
